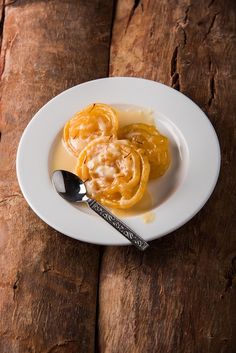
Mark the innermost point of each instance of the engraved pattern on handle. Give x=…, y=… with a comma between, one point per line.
x=134, y=238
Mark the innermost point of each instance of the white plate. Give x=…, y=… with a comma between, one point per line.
x=178, y=195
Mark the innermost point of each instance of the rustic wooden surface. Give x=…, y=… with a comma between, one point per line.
x=48, y=282
x=179, y=296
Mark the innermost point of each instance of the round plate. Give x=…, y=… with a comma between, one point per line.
x=179, y=194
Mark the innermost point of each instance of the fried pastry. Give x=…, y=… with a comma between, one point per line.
x=155, y=145
x=96, y=120
x=115, y=171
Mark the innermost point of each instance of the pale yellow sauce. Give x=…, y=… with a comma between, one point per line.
x=148, y=217
x=131, y=116
x=63, y=159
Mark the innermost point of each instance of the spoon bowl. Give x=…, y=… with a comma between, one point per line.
x=73, y=189
x=69, y=186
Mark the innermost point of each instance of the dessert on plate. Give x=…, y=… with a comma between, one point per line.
x=116, y=164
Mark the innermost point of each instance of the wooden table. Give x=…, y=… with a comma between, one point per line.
x=59, y=295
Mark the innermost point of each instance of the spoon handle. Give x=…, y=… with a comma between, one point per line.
x=134, y=238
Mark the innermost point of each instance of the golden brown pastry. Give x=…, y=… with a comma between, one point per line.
x=155, y=145
x=96, y=120
x=115, y=171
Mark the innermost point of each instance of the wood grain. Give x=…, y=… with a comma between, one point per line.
x=180, y=295
x=48, y=283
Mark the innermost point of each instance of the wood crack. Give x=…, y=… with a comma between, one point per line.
x=185, y=20
x=2, y=17
x=210, y=3
x=212, y=91
x=2, y=56
x=174, y=61
x=53, y=272
x=10, y=197
x=231, y=275
x=173, y=70
x=15, y=285
x=2, y=23
x=209, y=64
x=11, y=3
x=60, y=344
x=185, y=37
x=212, y=23
x=181, y=24
x=132, y=12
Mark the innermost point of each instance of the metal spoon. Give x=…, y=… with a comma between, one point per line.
x=72, y=188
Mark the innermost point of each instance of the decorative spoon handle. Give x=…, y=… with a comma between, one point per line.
x=134, y=238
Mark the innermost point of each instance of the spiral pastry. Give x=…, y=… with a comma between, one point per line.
x=115, y=171
x=156, y=146
x=96, y=120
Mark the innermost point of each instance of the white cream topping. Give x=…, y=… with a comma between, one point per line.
x=83, y=126
x=90, y=164
x=113, y=149
x=75, y=143
x=90, y=187
x=105, y=171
